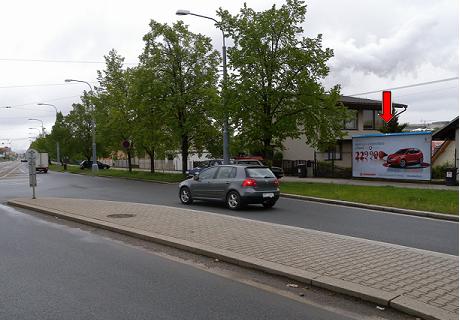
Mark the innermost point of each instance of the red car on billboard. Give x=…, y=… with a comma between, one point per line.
x=404, y=157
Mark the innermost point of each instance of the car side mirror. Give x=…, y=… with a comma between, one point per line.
x=196, y=177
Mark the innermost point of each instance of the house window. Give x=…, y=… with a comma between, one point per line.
x=368, y=119
x=335, y=153
x=351, y=124
x=378, y=122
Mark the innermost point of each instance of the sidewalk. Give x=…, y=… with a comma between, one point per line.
x=422, y=283
x=356, y=182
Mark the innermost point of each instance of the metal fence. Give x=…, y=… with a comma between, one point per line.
x=323, y=165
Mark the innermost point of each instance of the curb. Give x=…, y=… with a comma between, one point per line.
x=426, y=214
x=395, y=300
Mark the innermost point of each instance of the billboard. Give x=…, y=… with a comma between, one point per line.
x=392, y=156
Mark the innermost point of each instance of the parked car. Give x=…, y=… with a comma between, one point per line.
x=277, y=171
x=236, y=185
x=200, y=165
x=85, y=164
x=404, y=157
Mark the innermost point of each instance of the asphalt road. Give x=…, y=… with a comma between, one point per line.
x=51, y=271
x=417, y=232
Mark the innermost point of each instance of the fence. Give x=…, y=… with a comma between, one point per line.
x=324, y=165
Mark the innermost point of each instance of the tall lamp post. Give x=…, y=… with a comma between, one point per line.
x=224, y=82
x=43, y=128
x=94, y=167
x=58, y=157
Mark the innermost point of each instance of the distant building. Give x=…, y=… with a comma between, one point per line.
x=428, y=126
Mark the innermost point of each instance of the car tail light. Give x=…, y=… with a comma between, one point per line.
x=276, y=183
x=249, y=183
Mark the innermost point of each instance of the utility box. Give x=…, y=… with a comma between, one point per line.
x=451, y=177
x=302, y=170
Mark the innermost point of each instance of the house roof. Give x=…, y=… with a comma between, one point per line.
x=447, y=132
x=360, y=103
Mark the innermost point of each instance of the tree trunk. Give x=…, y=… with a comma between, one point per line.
x=268, y=152
x=151, y=154
x=130, y=168
x=184, y=150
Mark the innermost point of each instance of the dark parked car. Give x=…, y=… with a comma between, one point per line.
x=404, y=157
x=279, y=173
x=236, y=185
x=85, y=164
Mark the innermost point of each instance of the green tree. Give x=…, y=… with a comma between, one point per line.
x=60, y=133
x=151, y=133
x=393, y=126
x=187, y=66
x=116, y=114
x=274, y=90
x=79, y=124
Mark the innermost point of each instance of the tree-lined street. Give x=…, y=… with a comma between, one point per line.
x=417, y=232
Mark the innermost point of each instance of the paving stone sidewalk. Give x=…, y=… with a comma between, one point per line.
x=419, y=282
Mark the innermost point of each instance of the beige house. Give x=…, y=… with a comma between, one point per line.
x=366, y=121
x=447, y=152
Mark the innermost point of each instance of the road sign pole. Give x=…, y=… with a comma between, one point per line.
x=32, y=155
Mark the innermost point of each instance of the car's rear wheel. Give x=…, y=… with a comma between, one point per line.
x=185, y=195
x=234, y=200
x=269, y=204
x=402, y=163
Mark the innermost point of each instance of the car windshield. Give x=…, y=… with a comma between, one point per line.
x=259, y=173
x=401, y=151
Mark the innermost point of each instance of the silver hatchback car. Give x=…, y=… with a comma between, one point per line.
x=237, y=185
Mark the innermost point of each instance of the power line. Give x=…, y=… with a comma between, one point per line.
x=35, y=102
x=36, y=85
x=57, y=61
x=403, y=87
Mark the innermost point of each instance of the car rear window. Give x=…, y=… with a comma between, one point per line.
x=259, y=173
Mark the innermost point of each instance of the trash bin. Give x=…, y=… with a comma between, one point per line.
x=451, y=176
x=302, y=170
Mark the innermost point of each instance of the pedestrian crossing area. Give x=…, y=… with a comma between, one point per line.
x=14, y=172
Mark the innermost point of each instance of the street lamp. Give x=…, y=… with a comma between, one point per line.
x=94, y=167
x=35, y=129
x=58, y=157
x=224, y=82
x=43, y=128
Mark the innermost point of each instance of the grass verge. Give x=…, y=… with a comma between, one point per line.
x=442, y=201
x=141, y=175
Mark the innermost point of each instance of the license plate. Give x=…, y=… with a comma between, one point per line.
x=268, y=195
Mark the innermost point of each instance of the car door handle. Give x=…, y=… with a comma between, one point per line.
x=227, y=182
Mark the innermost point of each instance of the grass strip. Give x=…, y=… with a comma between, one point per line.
x=135, y=174
x=442, y=201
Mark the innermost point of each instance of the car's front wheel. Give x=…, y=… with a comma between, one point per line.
x=234, y=200
x=402, y=163
x=185, y=195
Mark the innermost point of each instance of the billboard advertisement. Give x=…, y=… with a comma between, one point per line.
x=404, y=156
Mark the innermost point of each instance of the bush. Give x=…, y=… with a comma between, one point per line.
x=439, y=172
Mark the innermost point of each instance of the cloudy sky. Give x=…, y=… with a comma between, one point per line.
x=377, y=44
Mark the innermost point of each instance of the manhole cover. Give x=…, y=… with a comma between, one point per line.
x=121, y=215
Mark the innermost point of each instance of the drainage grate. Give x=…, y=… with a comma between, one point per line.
x=121, y=215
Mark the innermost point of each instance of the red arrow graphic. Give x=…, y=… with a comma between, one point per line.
x=386, y=114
